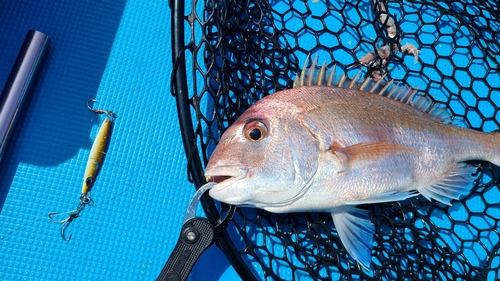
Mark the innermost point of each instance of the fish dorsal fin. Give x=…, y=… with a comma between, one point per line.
x=322, y=76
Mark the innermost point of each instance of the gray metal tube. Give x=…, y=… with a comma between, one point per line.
x=20, y=82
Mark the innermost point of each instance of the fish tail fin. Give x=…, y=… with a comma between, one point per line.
x=356, y=232
x=458, y=182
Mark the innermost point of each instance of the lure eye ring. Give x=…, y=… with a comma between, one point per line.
x=255, y=130
x=89, y=181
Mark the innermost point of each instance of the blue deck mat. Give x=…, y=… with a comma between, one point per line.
x=117, y=52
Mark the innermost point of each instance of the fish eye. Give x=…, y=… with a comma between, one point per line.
x=255, y=131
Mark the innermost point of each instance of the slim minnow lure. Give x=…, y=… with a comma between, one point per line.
x=94, y=163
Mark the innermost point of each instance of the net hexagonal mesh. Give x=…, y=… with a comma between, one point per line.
x=238, y=51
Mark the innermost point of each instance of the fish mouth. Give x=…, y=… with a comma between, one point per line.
x=225, y=176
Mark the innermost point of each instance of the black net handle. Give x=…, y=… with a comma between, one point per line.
x=196, y=236
x=195, y=168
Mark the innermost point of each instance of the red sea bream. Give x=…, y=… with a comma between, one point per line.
x=328, y=147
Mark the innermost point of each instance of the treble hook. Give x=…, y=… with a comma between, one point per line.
x=110, y=114
x=65, y=223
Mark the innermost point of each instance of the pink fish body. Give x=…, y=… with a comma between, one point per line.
x=330, y=148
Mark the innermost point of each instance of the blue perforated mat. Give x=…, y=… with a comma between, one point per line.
x=117, y=52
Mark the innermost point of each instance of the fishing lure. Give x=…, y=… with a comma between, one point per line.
x=94, y=164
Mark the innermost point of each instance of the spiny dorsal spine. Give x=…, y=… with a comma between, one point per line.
x=321, y=76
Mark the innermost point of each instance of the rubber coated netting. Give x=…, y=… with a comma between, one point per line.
x=235, y=52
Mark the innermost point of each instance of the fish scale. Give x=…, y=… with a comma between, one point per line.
x=331, y=146
x=352, y=122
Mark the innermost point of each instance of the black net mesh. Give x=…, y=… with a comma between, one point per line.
x=238, y=51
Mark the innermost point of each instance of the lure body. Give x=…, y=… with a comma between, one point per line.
x=94, y=163
x=97, y=155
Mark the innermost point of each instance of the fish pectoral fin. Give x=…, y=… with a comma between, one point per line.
x=363, y=153
x=457, y=182
x=390, y=196
x=356, y=232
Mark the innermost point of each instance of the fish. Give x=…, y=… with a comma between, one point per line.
x=329, y=145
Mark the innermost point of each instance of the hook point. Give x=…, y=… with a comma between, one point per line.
x=88, y=104
x=63, y=230
x=72, y=215
x=110, y=114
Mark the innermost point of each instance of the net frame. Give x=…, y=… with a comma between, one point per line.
x=269, y=61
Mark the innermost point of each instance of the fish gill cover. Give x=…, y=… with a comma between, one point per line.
x=239, y=51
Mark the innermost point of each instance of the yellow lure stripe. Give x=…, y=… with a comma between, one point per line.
x=97, y=155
